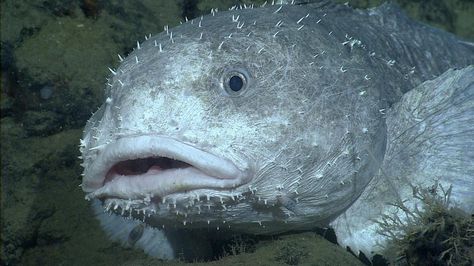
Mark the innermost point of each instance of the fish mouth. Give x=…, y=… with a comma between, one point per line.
x=142, y=166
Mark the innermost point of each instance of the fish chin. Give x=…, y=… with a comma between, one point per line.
x=148, y=168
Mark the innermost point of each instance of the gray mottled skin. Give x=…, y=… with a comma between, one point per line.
x=430, y=140
x=307, y=134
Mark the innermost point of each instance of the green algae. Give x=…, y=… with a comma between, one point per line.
x=434, y=233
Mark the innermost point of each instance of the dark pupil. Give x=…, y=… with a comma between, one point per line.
x=236, y=83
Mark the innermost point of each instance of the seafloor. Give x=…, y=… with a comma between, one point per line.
x=54, y=58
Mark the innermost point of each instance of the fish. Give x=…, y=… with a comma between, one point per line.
x=264, y=120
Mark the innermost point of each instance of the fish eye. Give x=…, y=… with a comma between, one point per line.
x=235, y=82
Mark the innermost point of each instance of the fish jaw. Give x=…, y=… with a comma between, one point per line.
x=151, y=165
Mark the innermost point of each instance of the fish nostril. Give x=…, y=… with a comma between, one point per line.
x=173, y=123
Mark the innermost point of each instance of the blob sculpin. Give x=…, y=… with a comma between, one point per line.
x=263, y=120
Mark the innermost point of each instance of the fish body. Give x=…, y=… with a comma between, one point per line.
x=262, y=119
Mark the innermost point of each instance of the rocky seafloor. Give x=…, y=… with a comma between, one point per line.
x=54, y=57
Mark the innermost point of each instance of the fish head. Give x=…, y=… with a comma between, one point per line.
x=230, y=123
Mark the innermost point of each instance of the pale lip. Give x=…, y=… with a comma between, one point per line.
x=203, y=169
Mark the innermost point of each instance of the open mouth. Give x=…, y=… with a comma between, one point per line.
x=143, y=166
x=148, y=165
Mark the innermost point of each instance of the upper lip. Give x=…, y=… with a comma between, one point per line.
x=205, y=170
